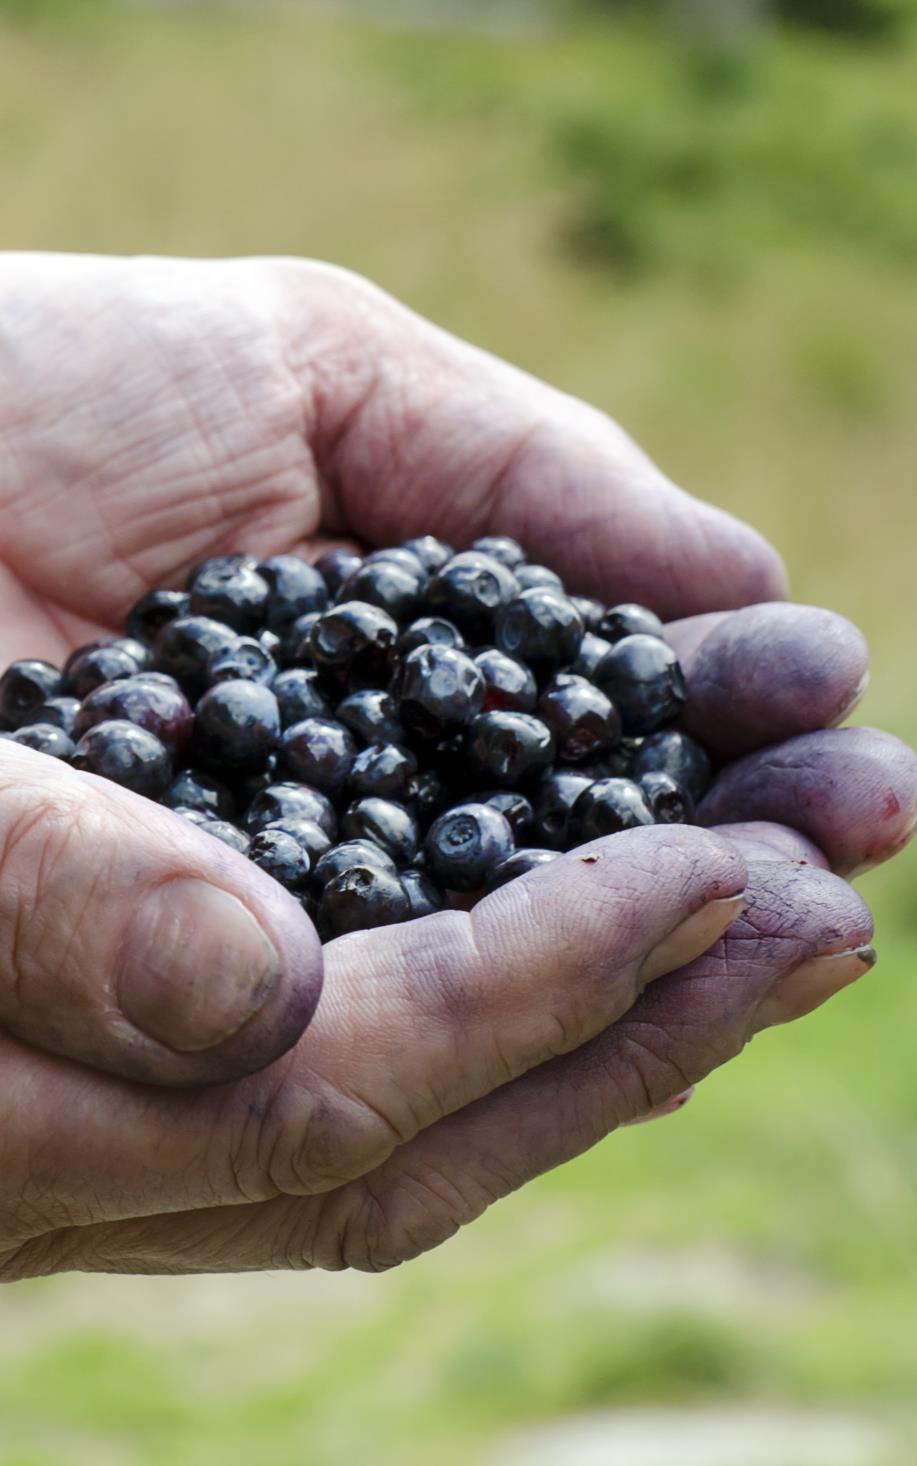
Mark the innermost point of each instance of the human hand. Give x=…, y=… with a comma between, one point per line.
x=155, y=413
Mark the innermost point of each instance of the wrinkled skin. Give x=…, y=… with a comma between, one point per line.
x=231, y=1111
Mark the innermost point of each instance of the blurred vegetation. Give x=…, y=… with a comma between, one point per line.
x=755, y=330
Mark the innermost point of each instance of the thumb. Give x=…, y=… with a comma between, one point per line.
x=134, y=942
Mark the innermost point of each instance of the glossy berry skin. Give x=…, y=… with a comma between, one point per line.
x=679, y=756
x=469, y=590
x=314, y=840
x=541, y=627
x=373, y=715
x=360, y=900
x=592, y=650
x=431, y=552
x=270, y=641
x=161, y=708
x=519, y=864
x=24, y=687
x=500, y=547
x=670, y=802
x=187, y=645
x=294, y=589
x=228, y=834
x=247, y=785
x=510, y=748
x=510, y=686
x=194, y=789
x=357, y=641
x=629, y=619
x=386, y=770
x=399, y=555
x=290, y=801
x=89, y=667
x=198, y=817
x=386, y=584
x=553, y=801
x=430, y=631
x=608, y=807
x=512, y=805
x=438, y=688
x=336, y=566
x=247, y=659
x=351, y=855
x=282, y=857
x=387, y=824
x=127, y=755
x=236, y=726
x=141, y=653
x=530, y=576
x=61, y=711
x=584, y=722
x=152, y=612
x=300, y=695
x=642, y=676
x=319, y=752
x=423, y=897
x=43, y=738
x=233, y=593
x=432, y=795
x=464, y=845
x=591, y=612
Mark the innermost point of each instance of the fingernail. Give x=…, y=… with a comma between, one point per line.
x=693, y=937
x=671, y=1107
x=195, y=966
x=811, y=984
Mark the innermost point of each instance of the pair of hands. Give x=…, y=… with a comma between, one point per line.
x=173, y=1095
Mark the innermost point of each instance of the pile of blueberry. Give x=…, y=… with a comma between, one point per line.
x=378, y=733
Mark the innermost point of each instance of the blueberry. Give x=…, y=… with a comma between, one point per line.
x=236, y=726
x=221, y=565
x=431, y=796
x=356, y=641
x=44, y=738
x=361, y=899
x=385, y=770
x=294, y=589
x=186, y=646
x=431, y=552
x=423, y=897
x=318, y=751
x=591, y=612
x=127, y=755
x=300, y=695
x=609, y=806
x=465, y=844
x=510, y=748
x=247, y=659
x=154, y=611
x=89, y=667
x=519, y=864
x=438, y=688
x=231, y=592
x=386, y=584
x=373, y=715
x=336, y=566
x=161, y=708
x=271, y=642
x=281, y=856
x=139, y=650
x=430, y=631
x=629, y=619
x=530, y=576
x=500, y=547
x=199, y=817
x=246, y=784
x=592, y=649
x=351, y=855
x=670, y=802
x=468, y=590
x=290, y=801
x=314, y=840
x=24, y=687
x=553, y=800
x=193, y=789
x=228, y=834
x=61, y=711
x=642, y=677
x=512, y=805
x=510, y=686
x=296, y=646
x=399, y=555
x=679, y=756
x=386, y=823
x=584, y=722
x=542, y=627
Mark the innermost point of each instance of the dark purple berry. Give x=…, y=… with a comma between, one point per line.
x=542, y=627
x=230, y=592
x=399, y=555
x=361, y=899
x=127, y=755
x=679, y=756
x=642, y=676
x=357, y=641
x=584, y=723
x=609, y=806
x=44, y=738
x=431, y=796
x=193, y=789
x=629, y=619
x=423, y=897
x=336, y=566
x=431, y=552
x=186, y=646
x=512, y=805
x=500, y=547
x=386, y=823
x=282, y=857
x=236, y=726
x=300, y=695
x=553, y=799
x=510, y=686
x=228, y=834
x=430, y=631
x=161, y=708
x=530, y=576
x=352, y=855
x=670, y=802
x=290, y=801
x=438, y=688
x=61, y=711
x=313, y=839
x=24, y=687
x=295, y=588
x=246, y=660
x=519, y=864
x=469, y=589
x=373, y=715
x=510, y=748
x=592, y=650
x=465, y=844
x=385, y=770
x=386, y=584
x=590, y=610
x=155, y=610
x=89, y=667
x=320, y=752
x=296, y=645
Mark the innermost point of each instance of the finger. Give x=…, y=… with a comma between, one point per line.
x=132, y=941
x=758, y=840
x=767, y=673
x=442, y=438
x=852, y=791
x=682, y=1027
x=663, y=1111
x=414, y=1022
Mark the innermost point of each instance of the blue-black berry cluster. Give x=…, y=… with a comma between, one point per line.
x=378, y=733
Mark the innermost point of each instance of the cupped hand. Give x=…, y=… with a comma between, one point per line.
x=153, y=413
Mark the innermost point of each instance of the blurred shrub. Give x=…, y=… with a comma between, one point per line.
x=868, y=18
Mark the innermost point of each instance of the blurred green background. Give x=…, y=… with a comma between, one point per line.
x=703, y=218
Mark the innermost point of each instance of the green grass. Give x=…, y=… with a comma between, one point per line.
x=781, y=384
